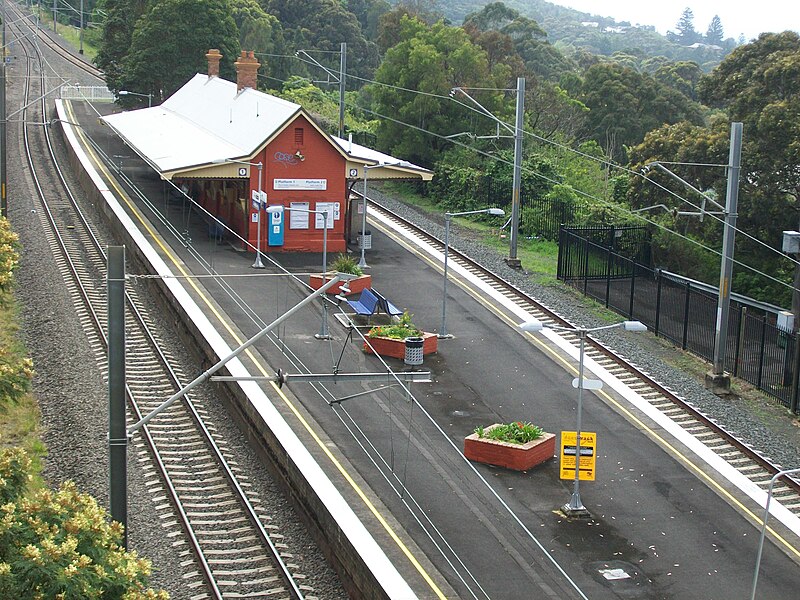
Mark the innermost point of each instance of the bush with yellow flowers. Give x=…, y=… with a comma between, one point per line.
x=62, y=544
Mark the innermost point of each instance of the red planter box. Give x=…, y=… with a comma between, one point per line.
x=397, y=348
x=519, y=457
x=356, y=284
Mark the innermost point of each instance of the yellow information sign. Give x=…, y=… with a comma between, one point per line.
x=587, y=459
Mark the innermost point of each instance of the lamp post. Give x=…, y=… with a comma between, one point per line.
x=575, y=508
x=498, y=212
x=148, y=96
x=363, y=261
x=323, y=334
x=764, y=526
x=257, y=264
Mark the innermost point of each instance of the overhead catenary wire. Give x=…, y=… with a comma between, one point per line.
x=604, y=161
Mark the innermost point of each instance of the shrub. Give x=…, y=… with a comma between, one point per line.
x=344, y=263
x=61, y=544
x=401, y=330
x=9, y=257
x=516, y=432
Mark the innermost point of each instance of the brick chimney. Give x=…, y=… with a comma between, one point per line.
x=247, y=71
x=213, y=56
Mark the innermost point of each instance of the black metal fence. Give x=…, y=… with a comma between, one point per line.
x=681, y=310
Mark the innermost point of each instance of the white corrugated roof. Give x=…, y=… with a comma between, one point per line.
x=357, y=152
x=208, y=120
x=205, y=120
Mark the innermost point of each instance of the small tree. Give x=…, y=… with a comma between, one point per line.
x=61, y=544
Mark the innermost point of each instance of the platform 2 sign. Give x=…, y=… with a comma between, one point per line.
x=587, y=459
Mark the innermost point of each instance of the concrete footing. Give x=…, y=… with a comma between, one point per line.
x=718, y=383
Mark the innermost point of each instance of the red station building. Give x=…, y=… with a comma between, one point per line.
x=210, y=137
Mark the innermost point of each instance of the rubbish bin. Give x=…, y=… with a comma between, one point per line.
x=414, y=350
x=365, y=241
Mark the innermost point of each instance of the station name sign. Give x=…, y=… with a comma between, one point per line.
x=300, y=184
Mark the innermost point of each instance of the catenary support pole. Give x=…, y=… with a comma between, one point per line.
x=342, y=87
x=512, y=259
x=117, y=436
x=362, y=263
x=726, y=269
x=3, y=122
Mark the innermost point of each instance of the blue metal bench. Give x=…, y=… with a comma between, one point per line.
x=385, y=306
x=367, y=303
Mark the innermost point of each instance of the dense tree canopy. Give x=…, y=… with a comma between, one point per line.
x=759, y=85
x=168, y=46
x=624, y=105
x=496, y=22
x=121, y=17
x=429, y=62
x=322, y=25
x=263, y=34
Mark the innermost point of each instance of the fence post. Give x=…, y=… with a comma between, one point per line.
x=633, y=287
x=585, y=266
x=740, y=335
x=608, y=274
x=658, y=300
x=761, y=351
x=561, y=250
x=686, y=316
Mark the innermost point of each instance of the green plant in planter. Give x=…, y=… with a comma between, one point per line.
x=516, y=432
x=344, y=263
x=400, y=330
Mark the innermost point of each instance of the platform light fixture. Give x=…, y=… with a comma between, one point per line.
x=128, y=93
x=497, y=212
x=575, y=508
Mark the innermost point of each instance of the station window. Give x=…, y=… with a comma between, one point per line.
x=298, y=136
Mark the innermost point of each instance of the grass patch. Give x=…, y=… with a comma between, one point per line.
x=538, y=257
x=70, y=34
x=408, y=194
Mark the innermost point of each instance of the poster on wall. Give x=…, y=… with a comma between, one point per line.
x=332, y=209
x=298, y=219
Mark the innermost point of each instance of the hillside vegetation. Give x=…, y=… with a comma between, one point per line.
x=601, y=102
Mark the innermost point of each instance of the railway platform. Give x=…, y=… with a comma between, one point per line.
x=664, y=522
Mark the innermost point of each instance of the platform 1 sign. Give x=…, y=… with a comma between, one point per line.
x=588, y=455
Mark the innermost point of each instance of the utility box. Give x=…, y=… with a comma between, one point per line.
x=785, y=321
x=791, y=242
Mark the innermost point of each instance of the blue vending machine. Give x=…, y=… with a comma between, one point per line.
x=275, y=235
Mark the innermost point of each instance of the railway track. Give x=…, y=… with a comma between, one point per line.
x=235, y=552
x=726, y=445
